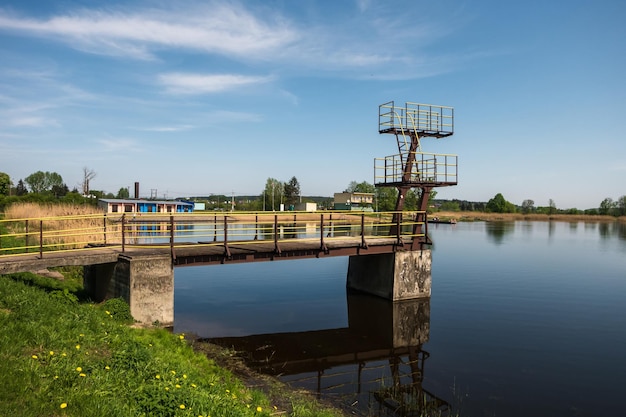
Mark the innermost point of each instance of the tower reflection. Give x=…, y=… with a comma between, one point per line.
x=375, y=366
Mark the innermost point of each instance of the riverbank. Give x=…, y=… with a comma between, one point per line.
x=470, y=216
x=65, y=357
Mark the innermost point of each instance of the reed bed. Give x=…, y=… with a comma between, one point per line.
x=57, y=226
x=480, y=216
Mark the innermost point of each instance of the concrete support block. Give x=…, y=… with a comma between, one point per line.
x=97, y=281
x=395, y=276
x=147, y=283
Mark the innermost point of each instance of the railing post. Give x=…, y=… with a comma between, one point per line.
x=226, y=249
x=215, y=228
x=104, y=227
x=398, y=231
x=172, y=238
x=256, y=226
x=363, y=244
x=123, y=232
x=322, y=244
x=276, y=247
x=27, y=236
x=40, y=239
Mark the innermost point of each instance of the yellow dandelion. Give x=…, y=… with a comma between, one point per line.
x=51, y=352
x=173, y=372
x=79, y=369
x=81, y=335
x=107, y=311
x=81, y=374
x=167, y=388
x=248, y=405
x=177, y=386
x=275, y=408
x=182, y=406
x=193, y=385
x=158, y=377
x=184, y=376
x=35, y=357
x=77, y=347
x=63, y=405
x=259, y=409
x=56, y=377
x=64, y=354
x=228, y=390
x=107, y=367
x=181, y=337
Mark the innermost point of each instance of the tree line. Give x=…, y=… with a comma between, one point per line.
x=49, y=187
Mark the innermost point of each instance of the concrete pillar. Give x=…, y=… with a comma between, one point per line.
x=145, y=282
x=97, y=281
x=395, y=276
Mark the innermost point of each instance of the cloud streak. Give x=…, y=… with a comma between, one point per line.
x=365, y=41
x=183, y=83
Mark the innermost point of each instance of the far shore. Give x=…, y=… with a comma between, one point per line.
x=471, y=216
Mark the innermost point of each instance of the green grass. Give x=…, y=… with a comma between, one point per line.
x=63, y=357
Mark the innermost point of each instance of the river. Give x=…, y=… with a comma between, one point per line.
x=525, y=319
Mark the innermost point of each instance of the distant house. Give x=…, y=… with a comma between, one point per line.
x=354, y=201
x=116, y=205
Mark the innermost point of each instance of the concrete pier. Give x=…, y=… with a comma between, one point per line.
x=395, y=276
x=146, y=282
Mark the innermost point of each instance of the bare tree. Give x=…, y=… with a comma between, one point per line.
x=88, y=175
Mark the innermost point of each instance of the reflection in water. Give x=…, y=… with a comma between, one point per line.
x=497, y=230
x=375, y=365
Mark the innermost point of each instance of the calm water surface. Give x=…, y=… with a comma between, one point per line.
x=525, y=319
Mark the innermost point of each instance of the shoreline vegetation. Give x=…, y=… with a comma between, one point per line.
x=63, y=355
x=35, y=210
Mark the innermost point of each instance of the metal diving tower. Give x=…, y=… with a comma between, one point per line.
x=411, y=167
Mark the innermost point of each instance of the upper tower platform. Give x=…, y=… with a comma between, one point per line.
x=416, y=118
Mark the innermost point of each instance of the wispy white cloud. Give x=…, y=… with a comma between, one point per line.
x=184, y=83
x=224, y=116
x=180, y=128
x=118, y=145
x=32, y=121
x=214, y=27
x=375, y=40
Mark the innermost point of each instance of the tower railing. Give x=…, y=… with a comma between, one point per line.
x=424, y=119
x=428, y=169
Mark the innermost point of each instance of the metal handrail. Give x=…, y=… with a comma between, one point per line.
x=123, y=231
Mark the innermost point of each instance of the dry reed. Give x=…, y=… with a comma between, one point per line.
x=62, y=226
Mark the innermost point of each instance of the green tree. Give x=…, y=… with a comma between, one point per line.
x=621, y=203
x=528, y=206
x=552, y=206
x=272, y=195
x=5, y=184
x=360, y=187
x=59, y=190
x=607, y=206
x=20, y=188
x=386, y=198
x=499, y=205
x=292, y=191
x=450, y=206
x=40, y=182
x=123, y=193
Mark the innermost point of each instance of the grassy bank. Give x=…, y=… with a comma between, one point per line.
x=63, y=357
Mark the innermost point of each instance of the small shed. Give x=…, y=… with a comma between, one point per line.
x=306, y=207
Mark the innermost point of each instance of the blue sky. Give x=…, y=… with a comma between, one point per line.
x=201, y=97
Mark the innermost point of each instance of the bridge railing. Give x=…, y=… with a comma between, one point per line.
x=114, y=231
